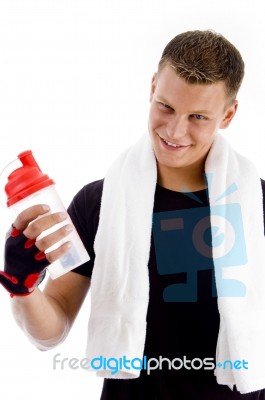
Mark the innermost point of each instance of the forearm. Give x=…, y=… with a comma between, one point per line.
x=41, y=318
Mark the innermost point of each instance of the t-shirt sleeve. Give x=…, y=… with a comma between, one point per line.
x=84, y=212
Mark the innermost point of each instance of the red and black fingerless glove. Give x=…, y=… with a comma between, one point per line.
x=25, y=265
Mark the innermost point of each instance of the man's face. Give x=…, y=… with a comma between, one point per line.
x=187, y=116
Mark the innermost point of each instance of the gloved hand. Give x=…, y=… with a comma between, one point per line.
x=24, y=264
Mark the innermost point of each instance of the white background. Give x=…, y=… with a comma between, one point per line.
x=74, y=88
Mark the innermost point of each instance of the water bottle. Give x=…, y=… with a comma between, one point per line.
x=28, y=186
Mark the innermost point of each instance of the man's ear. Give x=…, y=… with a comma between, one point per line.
x=153, y=86
x=229, y=115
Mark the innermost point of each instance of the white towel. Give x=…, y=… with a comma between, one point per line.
x=120, y=282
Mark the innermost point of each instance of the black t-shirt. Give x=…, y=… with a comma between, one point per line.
x=182, y=317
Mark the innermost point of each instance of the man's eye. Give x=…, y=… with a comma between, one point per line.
x=198, y=116
x=166, y=106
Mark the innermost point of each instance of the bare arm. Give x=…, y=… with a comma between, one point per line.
x=47, y=316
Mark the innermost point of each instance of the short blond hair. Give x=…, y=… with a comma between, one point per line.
x=205, y=57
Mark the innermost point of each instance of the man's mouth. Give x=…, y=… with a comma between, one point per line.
x=173, y=145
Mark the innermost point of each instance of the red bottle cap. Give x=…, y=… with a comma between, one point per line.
x=25, y=180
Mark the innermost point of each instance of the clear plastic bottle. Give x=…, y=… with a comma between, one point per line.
x=28, y=186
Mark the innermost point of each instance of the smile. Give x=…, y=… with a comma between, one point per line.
x=172, y=146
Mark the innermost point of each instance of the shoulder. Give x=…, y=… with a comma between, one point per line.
x=92, y=190
x=84, y=212
x=85, y=207
x=89, y=197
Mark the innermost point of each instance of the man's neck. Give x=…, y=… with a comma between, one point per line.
x=181, y=179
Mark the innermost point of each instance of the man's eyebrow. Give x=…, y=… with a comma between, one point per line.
x=207, y=112
x=163, y=100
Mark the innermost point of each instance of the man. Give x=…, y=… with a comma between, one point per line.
x=193, y=95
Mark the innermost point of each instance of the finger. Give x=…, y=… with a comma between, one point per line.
x=59, y=252
x=48, y=241
x=29, y=214
x=41, y=224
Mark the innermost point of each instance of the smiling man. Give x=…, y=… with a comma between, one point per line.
x=157, y=286
x=189, y=106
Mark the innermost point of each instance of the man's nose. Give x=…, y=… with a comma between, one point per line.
x=177, y=127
